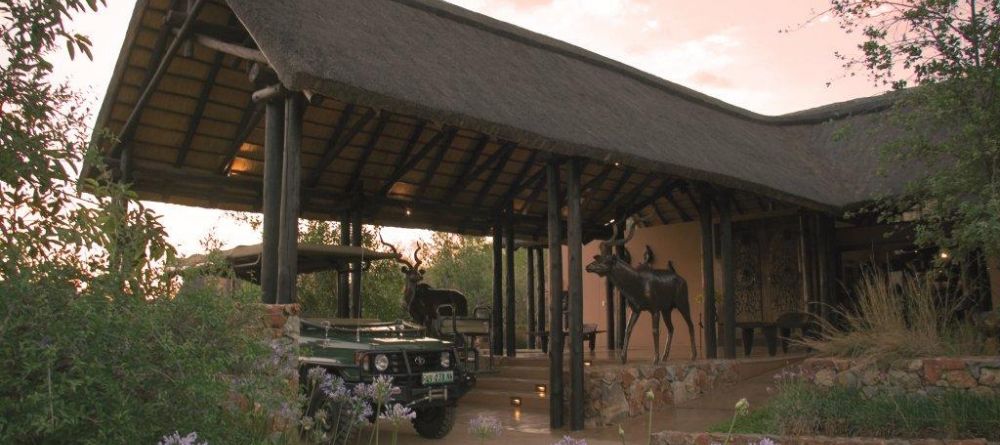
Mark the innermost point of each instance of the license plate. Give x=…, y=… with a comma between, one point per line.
x=434, y=378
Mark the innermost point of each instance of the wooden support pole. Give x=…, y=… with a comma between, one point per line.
x=807, y=262
x=496, y=343
x=609, y=308
x=711, y=345
x=274, y=138
x=291, y=182
x=556, y=297
x=510, y=309
x=574, y=247
x=540, y=283
x=728, y=276
x=356, y=306
x=622, y=306
x=343, y=276
x=827, y=273
x=531, y=296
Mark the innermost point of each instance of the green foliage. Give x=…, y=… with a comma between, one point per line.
x=947, y=127
x=95, y=345
x=913, y=318
x=802, y=409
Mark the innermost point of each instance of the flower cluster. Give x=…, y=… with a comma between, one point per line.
x=177, y=439
x=398, y=414
x=485, y=427
x=566, y=440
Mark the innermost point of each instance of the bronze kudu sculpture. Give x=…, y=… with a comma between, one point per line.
x=645, y=289
x=421, y=301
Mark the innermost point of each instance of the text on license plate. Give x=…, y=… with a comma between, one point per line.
x=432, y=378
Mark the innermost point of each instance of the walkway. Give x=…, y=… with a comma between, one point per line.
x=529, y=425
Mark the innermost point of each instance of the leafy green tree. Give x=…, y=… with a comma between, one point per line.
x=950, y=49
x=95, y=345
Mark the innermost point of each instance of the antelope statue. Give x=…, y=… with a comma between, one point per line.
x=420, y=300
x=645, y=289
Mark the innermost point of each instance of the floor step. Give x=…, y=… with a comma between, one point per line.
x=509, y=383
x=530, y=401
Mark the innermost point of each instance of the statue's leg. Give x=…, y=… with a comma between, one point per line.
x=670, y=332
x=628, y=334
x=656, y=336
x=687, y=319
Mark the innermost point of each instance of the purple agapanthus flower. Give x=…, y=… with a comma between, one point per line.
x=485, y=427
x=766, y=441
x=380, y=389
x=566, y=440
x=398, y=414
x=177, y=439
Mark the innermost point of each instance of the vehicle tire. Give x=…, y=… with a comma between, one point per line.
x=435, y=422
x=339, y=432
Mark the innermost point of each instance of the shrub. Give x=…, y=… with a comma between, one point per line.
x=802, y=409
x=84, y=368
x=914, y=319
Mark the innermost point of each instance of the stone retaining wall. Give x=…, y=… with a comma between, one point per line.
x=684, y=438
x=980, y=375
x=614, y=392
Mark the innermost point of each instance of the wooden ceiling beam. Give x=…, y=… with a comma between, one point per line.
x=627, y=201
x=677, y=206
x=403, y=168
x=507, y=149
x=337, y=144
x=626, y=174
x=659, y=213
x=470, y=161
x=199, y=109
x=436, y=162
x=488, y=163
x=352, y=184
x=520, y=183
x=161, y=58
x=252, y=115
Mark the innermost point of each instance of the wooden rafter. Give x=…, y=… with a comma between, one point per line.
x=659, y=213
x=677, y=206
x=507, y=149
x=626, y=202
x=468, y=163
x=352, y=184
x=638, y=202
x=626, y=174
x=436, y=162
x=199, y=109
x=161, y=58
x=403, y=168
x=337, y=145
x=598, y=180
x=482, y=167
x=520, y=183
x=252, y=115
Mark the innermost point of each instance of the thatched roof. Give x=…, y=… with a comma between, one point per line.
x=484, y=102
x=245, y=260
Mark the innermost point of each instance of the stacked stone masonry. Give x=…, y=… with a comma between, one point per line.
x=979, y=375
x=685, y=438
x=612, y=393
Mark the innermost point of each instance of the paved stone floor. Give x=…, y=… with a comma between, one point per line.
x=531, y=426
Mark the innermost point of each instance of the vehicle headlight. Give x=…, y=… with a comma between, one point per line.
x=381, y=362
x=445, y=359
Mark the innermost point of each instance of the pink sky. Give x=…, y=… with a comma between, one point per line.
x=729, y=49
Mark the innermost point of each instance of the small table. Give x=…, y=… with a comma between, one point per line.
x=588, y=335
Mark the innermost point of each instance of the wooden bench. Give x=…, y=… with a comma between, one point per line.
x=589, y=335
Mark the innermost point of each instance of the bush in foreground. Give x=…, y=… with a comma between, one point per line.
x=801, y=409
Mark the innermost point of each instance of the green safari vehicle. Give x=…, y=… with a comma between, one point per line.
x=429, y=372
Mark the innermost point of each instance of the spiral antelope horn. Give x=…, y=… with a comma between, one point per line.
x=629, y=233
x=416, y=257
x=392, y=248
